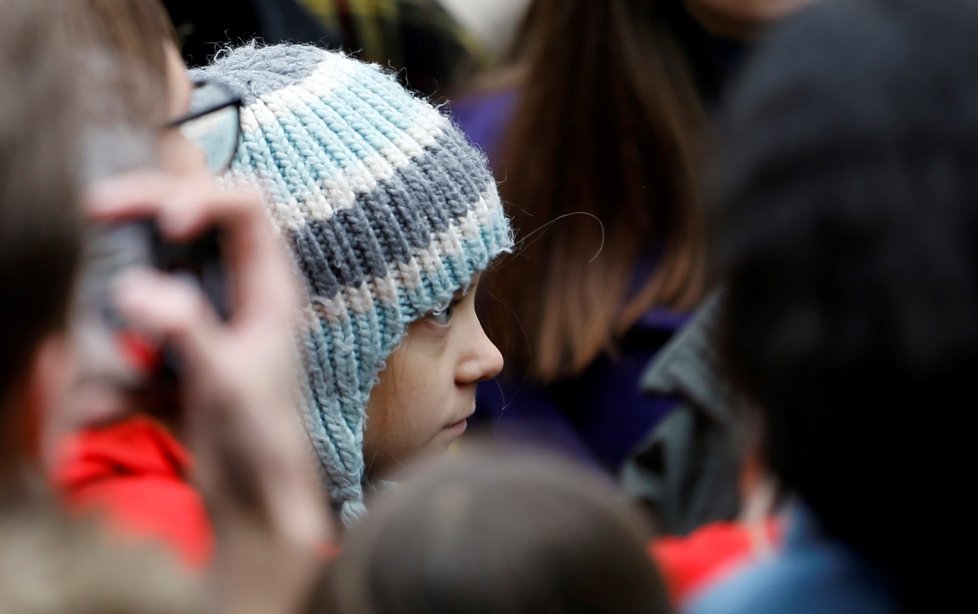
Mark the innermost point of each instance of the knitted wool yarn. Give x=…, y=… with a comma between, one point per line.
x=387, y=208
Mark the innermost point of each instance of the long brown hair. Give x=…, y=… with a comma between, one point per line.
x=604, y=143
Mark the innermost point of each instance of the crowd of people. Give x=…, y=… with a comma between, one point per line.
x=667, y=306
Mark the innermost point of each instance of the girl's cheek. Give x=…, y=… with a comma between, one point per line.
x=430, y=329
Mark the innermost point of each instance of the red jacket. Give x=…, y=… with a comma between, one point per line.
x=707, y=555
x=136, y=474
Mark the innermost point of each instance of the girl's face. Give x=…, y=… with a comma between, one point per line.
x=426, y=393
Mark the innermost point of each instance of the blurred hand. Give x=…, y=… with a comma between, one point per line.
x=238, y=379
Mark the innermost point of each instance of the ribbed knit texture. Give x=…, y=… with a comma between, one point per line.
x=387, y=207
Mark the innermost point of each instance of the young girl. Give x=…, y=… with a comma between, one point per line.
x=391, y=216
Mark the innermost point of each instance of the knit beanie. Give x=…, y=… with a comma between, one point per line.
x=388, y=210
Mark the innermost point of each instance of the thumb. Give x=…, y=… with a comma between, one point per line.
x=167, y=307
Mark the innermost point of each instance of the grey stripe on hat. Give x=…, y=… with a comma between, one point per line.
x=345, y=249
x=253, y=71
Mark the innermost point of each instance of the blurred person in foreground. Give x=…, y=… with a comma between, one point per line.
x=236, y=395
x=850, y=318
x=491, y=532
x=48, y=562
x=123, y=458
x=40, y=141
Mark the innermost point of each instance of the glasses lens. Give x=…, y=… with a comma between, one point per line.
x=216, y=133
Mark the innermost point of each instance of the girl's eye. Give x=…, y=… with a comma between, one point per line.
x=442, y=317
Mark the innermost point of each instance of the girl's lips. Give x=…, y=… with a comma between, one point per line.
x=457, y=428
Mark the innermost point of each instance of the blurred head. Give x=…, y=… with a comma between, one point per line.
x=847, y=240
x=52, y=565
x=494, y=533
x=390, y=214
x=139, y=84
x=40, y=225
x=136, y=109
x=132, y=34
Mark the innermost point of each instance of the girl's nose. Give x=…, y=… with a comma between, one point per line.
x=481, y=361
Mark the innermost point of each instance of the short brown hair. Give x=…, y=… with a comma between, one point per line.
x=132, y=34
x=40, y=225
x=489, y=533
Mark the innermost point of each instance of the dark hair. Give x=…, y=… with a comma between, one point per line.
x=847, y=238
x=606, y=132
x=487, y=534
x=40, y=225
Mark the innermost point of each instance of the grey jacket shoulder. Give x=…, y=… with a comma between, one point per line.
x=687, y=468
x=689, y=365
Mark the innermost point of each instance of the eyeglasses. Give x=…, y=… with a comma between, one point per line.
x=213, y=123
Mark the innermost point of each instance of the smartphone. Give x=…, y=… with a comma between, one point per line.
x=111, y=349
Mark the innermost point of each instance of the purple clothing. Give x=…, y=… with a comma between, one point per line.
x=484, y=117
x=596, y=418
